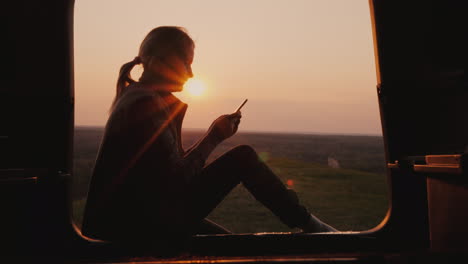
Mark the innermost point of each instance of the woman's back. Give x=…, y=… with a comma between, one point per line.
x=129, y=182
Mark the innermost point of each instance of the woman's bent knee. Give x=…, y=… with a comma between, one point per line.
x=238, y=161
x=243, y=152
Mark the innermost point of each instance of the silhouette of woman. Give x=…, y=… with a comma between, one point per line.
x=145, y=185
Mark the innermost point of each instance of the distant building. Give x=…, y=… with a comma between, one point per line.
x=333, y=163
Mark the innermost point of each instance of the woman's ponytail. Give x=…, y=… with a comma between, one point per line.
x=125, y=79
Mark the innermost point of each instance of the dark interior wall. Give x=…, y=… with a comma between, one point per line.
x=36, y=101
x=423, y=88
x=423, y=98
x=36, y=126
x=422, y=93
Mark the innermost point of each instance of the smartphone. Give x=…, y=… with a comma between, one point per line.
x=239, y=108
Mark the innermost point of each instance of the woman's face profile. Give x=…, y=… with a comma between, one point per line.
x=188, y=63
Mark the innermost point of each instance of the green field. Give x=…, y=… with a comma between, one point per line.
x=352, y=197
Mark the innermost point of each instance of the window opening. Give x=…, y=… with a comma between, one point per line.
x=307, y=68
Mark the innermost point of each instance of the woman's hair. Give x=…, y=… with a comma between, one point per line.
x=159, y=43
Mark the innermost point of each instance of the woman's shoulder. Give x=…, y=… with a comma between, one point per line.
x=138, y=97
x=137, y=104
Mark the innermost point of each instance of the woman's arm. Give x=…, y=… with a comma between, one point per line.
x=199, y=152
x=222, y=128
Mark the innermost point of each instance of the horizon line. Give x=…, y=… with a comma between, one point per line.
x=265, y=132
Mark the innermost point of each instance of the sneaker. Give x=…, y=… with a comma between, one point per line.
x=315, y=225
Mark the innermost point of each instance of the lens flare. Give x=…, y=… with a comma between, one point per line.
x=195, y=87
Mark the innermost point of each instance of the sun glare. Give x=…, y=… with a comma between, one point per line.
x=195, y=87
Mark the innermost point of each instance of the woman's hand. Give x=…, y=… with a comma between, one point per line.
x=224, y=126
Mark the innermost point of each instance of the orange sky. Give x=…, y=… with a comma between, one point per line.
x=305, y=66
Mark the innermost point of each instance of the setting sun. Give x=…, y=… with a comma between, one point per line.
x=195, y=87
